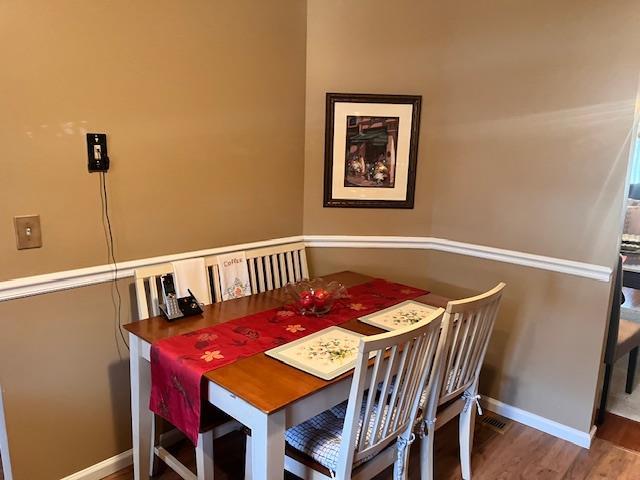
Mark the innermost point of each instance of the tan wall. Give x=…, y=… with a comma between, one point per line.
x=203, y=103
x=66, y=386
x=526, y=109
x=526, y=117
x=544, y=355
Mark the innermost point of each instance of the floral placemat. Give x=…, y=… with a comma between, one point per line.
x=401, y=315
x=325, y=354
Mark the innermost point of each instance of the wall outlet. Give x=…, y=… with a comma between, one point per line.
x=28, y=232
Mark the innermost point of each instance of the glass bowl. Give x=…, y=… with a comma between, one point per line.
x=315, y=297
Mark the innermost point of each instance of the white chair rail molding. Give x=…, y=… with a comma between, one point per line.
x=51, y=282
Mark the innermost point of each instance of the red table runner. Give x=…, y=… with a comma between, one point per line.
x=179, y=363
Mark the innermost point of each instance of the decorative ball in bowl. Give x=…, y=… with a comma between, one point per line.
x=315, y=296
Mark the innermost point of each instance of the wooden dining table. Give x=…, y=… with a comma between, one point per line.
x=265, y=395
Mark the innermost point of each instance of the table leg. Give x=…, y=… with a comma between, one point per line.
x=267, y=446
x=141, y=416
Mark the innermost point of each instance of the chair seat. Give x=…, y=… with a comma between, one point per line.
x=628, y=337
x=320, y=436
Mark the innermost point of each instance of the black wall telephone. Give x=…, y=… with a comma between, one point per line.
x=174, y=307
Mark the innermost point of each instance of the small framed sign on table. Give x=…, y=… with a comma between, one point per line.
x=371, y=146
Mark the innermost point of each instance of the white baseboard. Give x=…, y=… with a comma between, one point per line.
x=559, y=430
x=104, y=468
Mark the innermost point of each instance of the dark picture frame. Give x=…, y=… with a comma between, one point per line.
x=371, y=148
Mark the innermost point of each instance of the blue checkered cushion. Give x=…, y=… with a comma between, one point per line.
x=320, y=437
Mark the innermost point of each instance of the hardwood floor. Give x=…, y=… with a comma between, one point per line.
x=520, y=453
x=620, y=431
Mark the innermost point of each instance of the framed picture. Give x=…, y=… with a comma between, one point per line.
x=371, y=146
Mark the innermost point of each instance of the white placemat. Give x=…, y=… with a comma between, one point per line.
x=325, y=354
x=399, y=316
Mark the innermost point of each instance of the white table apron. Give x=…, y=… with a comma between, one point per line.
x=267, y=430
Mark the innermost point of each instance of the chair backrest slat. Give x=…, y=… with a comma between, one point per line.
x=404, y=362
x=401, y=378
x=375, y=378
x=465, y=323
x=252, y=274
x=296, y=266
x=454, y=326
x=395, y=391
x=283, y=269
x=217, y=288
x=262, y=285
x=268, y=273
x=153, y=295
x=141, y=300
x=492, y=313
x=379, y=423
x=289, y=259
x=303, y=263
x=259, y=273
x=276, y=271
x=472, y=344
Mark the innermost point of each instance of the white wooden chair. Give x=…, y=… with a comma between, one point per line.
x=467, y=328
x=372, y=430
x=217, y=426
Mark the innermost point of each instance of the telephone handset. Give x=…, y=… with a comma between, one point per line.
x=174, y=307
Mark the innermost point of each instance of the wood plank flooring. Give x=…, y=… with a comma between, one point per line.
x=620, y=431
x=520, y=453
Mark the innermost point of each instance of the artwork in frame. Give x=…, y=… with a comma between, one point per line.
x=371, y=146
